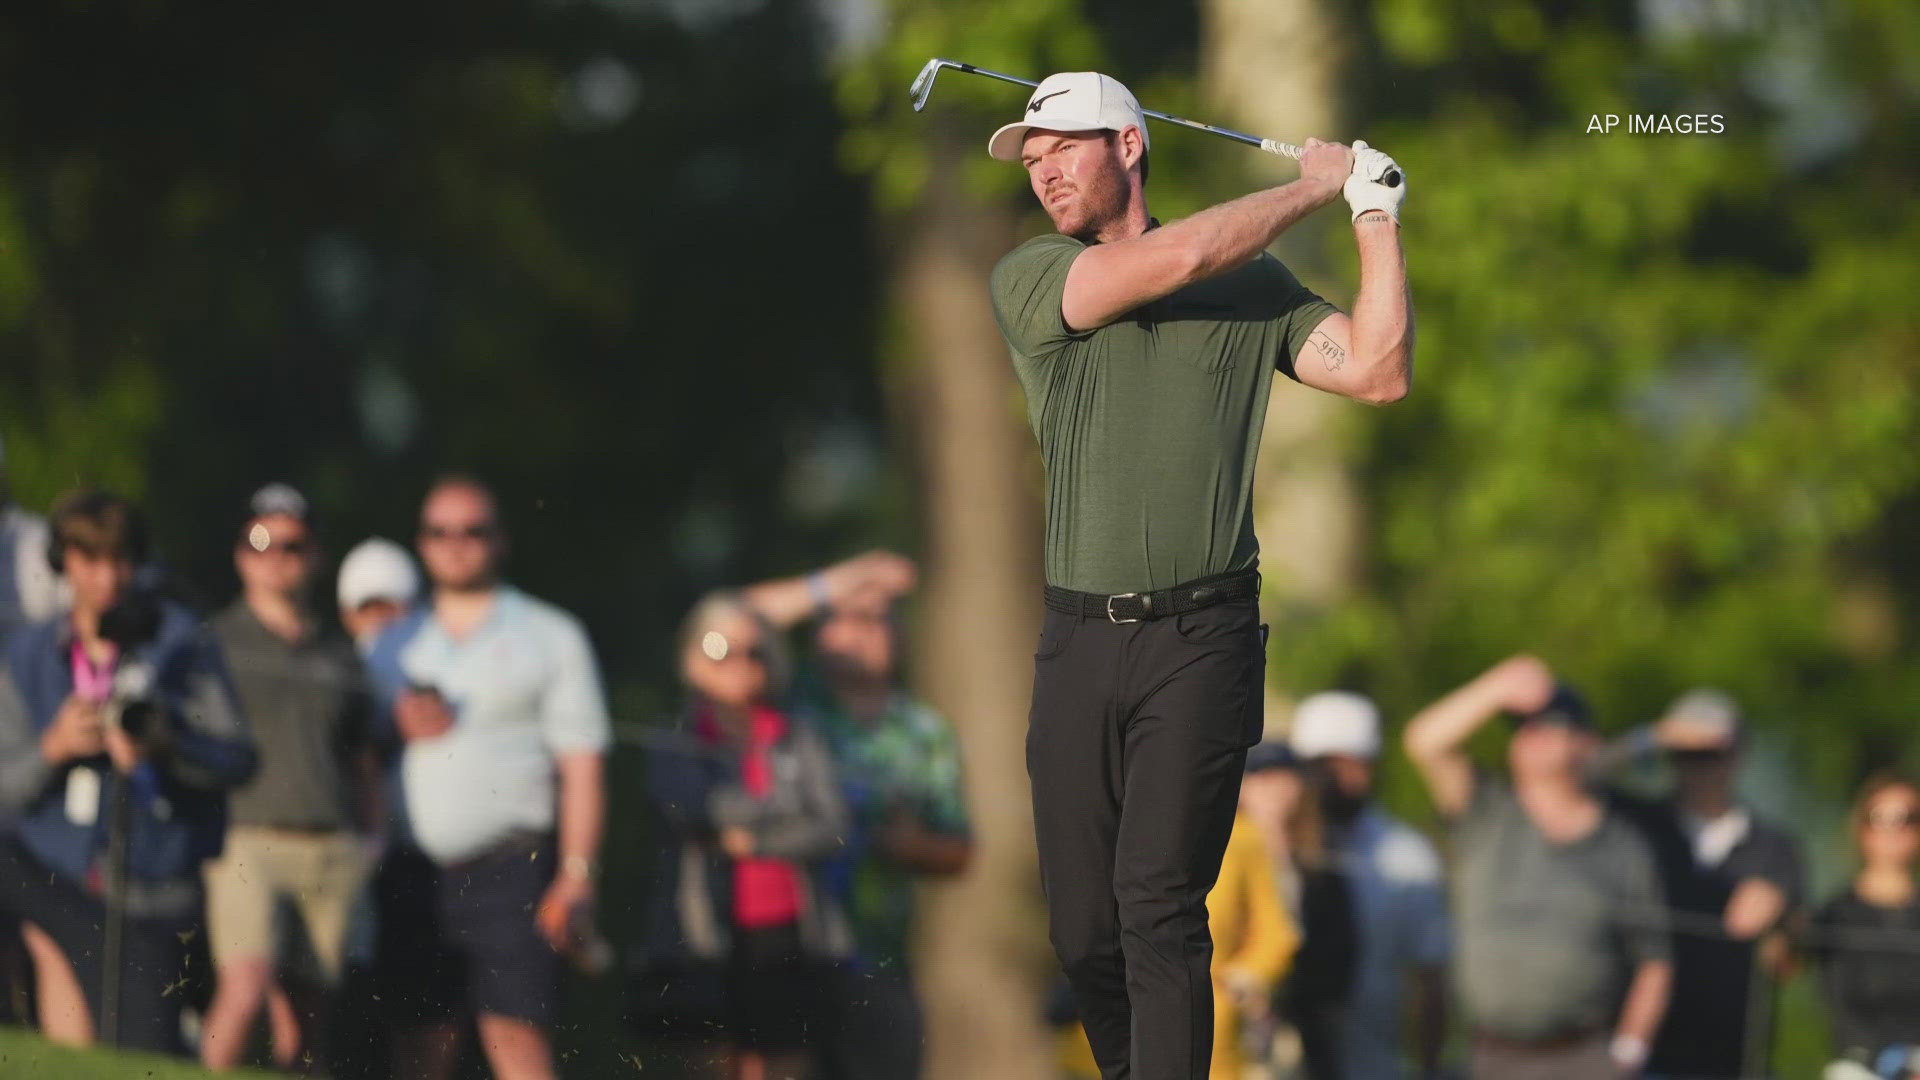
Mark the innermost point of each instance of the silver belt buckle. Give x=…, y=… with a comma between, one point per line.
x=1119, y=596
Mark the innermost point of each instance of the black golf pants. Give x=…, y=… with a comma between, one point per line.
x=1135, y=746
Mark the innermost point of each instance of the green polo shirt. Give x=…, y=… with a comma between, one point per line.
x=1150, y=425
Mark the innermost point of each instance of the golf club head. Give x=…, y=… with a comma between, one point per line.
x=922, y=87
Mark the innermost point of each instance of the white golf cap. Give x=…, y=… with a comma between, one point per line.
x=377, y=569
x=1071, y=101
x=1336, y=722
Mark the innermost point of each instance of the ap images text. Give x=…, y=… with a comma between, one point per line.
x=1652, y=124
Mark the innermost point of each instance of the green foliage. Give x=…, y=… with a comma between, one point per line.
x=1668, y=387
x=358, y=246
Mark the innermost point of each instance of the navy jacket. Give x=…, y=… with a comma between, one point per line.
x=178, y=815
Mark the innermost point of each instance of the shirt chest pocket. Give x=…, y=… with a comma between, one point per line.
x=500, y=684
x=1199, y=333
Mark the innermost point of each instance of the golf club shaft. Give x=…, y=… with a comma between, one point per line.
x=1269, y=145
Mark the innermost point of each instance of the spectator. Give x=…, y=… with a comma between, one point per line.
x=29, y=587
x=899, y=768
x=498, y=701
x=119, y=739
x=1563, y=954
x=1730, y=876
x=377, y=586
x=299, y=831
x=1867, y=939
x=754, y=812
x=1282, y=799
x=1254, y=940
x=1400, y=907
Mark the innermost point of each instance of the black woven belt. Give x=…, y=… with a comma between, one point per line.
x=1140, y=606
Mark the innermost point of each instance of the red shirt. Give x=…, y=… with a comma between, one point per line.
x=766, y=891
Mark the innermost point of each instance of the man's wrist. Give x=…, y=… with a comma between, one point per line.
x=1374, y=217
x=1628, y=1051
x=578, y=868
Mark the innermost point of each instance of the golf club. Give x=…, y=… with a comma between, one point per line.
x=922, y=89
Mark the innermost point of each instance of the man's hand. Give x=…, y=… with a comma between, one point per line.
x=1363, y=186
x=124, y=749
x=875, y=577
x=1522, y=684
x=565, y=899
x=1326, y=165
x=1755, y=907
x=78, y=731
x=737, y=842
x=422, y=714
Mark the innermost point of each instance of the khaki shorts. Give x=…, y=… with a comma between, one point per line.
x=319, y=874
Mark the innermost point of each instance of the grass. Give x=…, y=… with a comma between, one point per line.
x=23, y=1053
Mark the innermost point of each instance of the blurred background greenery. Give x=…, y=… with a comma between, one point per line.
x=690, y=281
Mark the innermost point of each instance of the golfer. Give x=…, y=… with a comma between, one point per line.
x=1147, y=352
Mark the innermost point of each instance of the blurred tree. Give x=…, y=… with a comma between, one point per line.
x=984, y=964
x=1275, y=69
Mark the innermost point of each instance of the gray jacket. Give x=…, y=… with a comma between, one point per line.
x=698, y=791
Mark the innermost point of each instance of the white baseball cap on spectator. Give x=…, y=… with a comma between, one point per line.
x=1336, y=722
x=377, y=569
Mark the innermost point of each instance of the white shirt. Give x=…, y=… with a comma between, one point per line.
x=29, y=589
x=524, y=689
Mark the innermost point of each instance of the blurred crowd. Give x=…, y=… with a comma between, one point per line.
x=243, y=832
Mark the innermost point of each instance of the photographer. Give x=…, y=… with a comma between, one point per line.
x=119, y=736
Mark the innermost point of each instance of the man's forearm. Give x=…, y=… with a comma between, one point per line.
x=1383, y=308
x=1445, y=726
x=1646, y=1002
x=583, y=811
x=1224, y=237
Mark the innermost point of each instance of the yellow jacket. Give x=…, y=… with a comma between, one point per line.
x=1254, y=938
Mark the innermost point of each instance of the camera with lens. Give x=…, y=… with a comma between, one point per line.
x=134, y=705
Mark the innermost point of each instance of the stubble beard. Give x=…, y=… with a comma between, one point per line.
x=1100, y=205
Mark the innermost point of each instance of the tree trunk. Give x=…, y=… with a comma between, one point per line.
x=984, y=959
x=1272, y=67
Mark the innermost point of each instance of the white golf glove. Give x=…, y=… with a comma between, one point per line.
x=1363, y=189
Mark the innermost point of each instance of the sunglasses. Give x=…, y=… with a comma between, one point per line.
x=1893, y=819
x=718, y=649
x=1697, y=757
x=463, y=532
x=260, y=542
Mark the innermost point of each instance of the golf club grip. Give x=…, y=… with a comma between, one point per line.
x=1274, y=146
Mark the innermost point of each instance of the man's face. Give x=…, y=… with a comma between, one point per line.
x=1544, y=749
x=859, y=643
x=1351, y=776
x=1708, y=770
x=365, y=622
x=1890, y=835
x=275, y=555
x=460, y=540
x=98, y=581
x=1271, y=796
x=1079, y=178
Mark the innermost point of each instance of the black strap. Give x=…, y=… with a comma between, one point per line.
x=1177, y=600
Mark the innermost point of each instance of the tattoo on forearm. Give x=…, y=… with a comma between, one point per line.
x=1330, y=351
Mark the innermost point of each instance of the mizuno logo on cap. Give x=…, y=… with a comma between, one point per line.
x=1034, y=105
